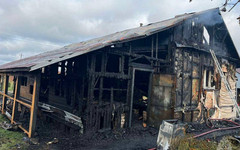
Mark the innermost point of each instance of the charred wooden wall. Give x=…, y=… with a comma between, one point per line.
x=189, y=66
x=193, y=63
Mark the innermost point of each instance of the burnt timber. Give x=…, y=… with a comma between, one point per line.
x=97, y=84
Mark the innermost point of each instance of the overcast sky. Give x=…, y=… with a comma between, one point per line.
x=29, y=27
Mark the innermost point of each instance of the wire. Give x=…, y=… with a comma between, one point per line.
x=234, y=5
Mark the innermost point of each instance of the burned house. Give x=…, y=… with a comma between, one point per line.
x=159, y=71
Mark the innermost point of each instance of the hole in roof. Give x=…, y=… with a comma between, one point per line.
x=61, y=56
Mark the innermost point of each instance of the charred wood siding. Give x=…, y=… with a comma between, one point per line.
x=27, y=89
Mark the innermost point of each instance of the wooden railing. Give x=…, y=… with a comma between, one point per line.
x=32, y=106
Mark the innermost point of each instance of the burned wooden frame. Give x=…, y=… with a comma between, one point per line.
x=91, y=84
x=32, y=105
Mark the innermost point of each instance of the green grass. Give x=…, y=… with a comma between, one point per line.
x=187, y=143
x=9, y=140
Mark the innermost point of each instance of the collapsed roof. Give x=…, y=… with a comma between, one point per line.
x=73, y=50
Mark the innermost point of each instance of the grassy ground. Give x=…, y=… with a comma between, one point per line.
x=187, y=143
x=11, y=140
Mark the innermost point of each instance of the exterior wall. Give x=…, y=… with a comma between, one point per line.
x=193, y=93
x=161, y=105
x=188, y=69
x=25, y=90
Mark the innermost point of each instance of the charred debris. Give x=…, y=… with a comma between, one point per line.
x=159, y=71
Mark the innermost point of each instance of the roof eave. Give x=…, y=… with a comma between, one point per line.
x=13, y=70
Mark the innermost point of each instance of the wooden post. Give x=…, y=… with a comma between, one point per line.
x=16, y=93
x=131, y=99
x=152, y=47
x=157, y=45
x=80, y=104
x=129, y=88
x=103, y=70
x=35, y=98
x=5, y=92
x=91, y=79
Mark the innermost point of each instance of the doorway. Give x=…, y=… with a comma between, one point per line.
x=140, y=96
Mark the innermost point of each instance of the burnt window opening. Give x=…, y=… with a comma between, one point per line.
x=65, y=68
x=31, y=89
x=23, y=81
x=206, y=36
x=208, y=79
x=62, y=68
x=59, y=68
x=113, y=64
x=43, y=70
x=73, y=67
x=195, y=29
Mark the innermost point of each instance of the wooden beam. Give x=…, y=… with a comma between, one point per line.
x=17, y=100
x=35, y=98
x=137, y=55
x=16, y=94
x=5, y=92
x=103, y=69
x=157, y=46
x=92, y=78
x=110, y=75
x=131, y=98
x=152, y=49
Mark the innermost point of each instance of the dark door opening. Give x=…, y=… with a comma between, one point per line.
x=140, y=97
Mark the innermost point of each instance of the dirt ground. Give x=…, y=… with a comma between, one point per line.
x=136, y=138
x=55, y=136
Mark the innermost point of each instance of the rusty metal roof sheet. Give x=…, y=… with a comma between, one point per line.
x=73, y=50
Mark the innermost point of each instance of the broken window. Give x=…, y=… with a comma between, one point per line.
x=23, y=81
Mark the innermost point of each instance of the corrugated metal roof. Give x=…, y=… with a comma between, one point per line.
x=73, y=50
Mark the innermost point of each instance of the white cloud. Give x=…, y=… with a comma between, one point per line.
x=33, y=26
